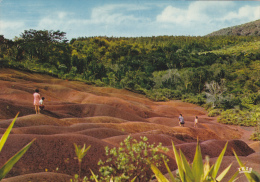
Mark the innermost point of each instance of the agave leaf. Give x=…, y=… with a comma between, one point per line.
x=208, y=172
x=232, y=179
x=179, y=163
x=218, y=162
x=186, y=167
x=94, y=176
x=242, y=165
x=7, y=132
x=159, y=176
x=10, y=163
x=133, y=179
x=197, y=165
x=169, y=171
x=255, y=176
x=223, y=174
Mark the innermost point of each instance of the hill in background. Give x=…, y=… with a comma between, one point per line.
x=247, y=29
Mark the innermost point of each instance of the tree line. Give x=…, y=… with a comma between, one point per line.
x=163, y=67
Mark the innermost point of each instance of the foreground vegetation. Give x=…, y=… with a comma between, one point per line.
x=199, y=172
x=4, y=170
x=220, y=73
x=132, y=162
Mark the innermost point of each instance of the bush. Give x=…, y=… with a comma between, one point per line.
x=240, y=117
x=163, y=94
x=199, y=99
x=214, y=112
x=256, y=135
x=131, y=160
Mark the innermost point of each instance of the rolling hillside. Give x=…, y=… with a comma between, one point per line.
x=98, y=116
x=247, y=29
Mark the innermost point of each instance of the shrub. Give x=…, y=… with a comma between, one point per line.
x=256, y=135
x=240, y=117
x=214, y=112
x=199, y=99
x=131, y=160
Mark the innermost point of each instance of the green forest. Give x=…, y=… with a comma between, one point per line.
x=220, y=73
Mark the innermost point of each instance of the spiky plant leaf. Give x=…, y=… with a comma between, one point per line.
x=242, y=165
x=179, y=163
x=207, y=169
x=218, y=162
x=94, y=176
x=133, y=179
x=223, y=174
x=10, y=163
x=186, y=168
x=233, y=178
x=7, y=132
x=159, y=176
x=197, y=165
x=169, y=171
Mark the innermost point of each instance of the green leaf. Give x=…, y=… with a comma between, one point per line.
x=94, y=176
x=223, y=174
x=197, y=165
x=232, y=179
x=159, y=176
x=133, y=179
x=10, y=163
x=7, y=132
x=218, y=162
x=169, y=171
x=179, y=163
x=186, y=167
x=255, y=176
x=242, y=165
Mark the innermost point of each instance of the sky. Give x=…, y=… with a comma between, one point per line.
x=124, y=18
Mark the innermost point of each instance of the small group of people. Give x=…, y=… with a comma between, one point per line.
x=181, y=121
x=38, y=101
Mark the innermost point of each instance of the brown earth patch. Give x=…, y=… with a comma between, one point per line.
x=97, y=116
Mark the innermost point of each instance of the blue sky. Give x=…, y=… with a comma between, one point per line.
x=124, y=18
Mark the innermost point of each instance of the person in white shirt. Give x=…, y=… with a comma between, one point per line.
x=41, y=103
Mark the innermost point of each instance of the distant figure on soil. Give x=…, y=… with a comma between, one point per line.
x=196, y=121
x=181, y=120
x=41, y=103
x=36, y=101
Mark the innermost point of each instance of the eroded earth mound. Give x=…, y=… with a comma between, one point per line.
x=83, y=114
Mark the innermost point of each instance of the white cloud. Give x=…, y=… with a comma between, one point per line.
x=8, y=28
x=246, y=12
x=199, y=11
x=115, y=14
x=102, y=20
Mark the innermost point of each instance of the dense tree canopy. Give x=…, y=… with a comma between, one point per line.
x=164, y=67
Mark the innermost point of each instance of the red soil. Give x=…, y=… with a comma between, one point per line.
x=80, y=113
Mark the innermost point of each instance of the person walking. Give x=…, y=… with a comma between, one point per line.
x=196, y=121
x=36, y=101
x=181, y=120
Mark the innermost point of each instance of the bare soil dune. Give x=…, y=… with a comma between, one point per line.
x=84, y=114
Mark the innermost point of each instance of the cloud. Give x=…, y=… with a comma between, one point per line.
x=203, y=17
x=115, y=14
x=246, y=12
x=8, y=27
x=110, y=20
x=199, y=11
